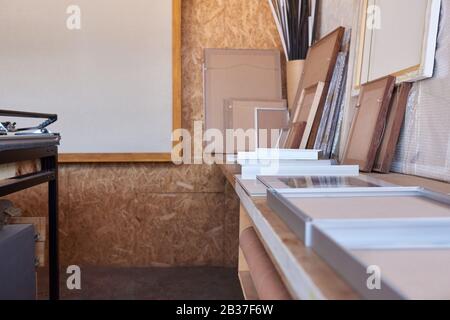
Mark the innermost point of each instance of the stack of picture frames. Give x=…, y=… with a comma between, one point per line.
x=317, y=117
x=377, y=124
x=312, y=92
x=328, y=137
x=395, y=119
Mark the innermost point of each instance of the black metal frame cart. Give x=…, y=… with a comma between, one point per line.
x=48, y=156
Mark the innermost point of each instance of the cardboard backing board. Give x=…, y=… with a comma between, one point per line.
x=295, y=135
x=240, y=114
x=420, y=274
x=395, y=120
x=238, y=74
x=400, y=207
x=413, y=255
x=320, y=62
x=369, y=123
x=269, y=124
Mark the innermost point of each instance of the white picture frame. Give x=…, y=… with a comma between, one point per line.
x=401, y=43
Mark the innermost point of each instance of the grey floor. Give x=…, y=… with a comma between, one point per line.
x=150, y=284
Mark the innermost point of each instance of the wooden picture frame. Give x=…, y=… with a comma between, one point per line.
x=377, y=47
x=369, y=123
x=320, y=62
x=394, y=124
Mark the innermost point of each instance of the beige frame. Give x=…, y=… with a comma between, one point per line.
x=176, y=108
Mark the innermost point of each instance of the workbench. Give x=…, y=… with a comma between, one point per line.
x=42, y=148
x=305, y=275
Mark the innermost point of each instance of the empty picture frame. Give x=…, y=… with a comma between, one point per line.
x=397, y=38
x=238, y=74
x=269, y=125
x=310, y=109
x=239, y=114
x=304, y=104
x=369, y=123
x=320, y=62
x=396, y=116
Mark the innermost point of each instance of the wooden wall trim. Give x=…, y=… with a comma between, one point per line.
x=113, y=157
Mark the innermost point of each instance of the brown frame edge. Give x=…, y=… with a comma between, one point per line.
x=176, y=109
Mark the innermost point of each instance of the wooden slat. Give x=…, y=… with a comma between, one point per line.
x=13, y=185
x=176, y=64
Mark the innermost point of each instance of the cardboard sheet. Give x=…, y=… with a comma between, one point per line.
x=418, y=274
x=241, y=114
x=371, y=207
x=238, y=74
x=269, y=126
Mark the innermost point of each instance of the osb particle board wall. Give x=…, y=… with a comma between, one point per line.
x=158, y=214
x=219, y=24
